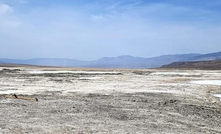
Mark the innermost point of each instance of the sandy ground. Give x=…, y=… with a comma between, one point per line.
x=91, y=101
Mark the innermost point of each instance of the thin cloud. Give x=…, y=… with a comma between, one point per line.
x=23, y=1
x=7, y=21
x=5, y=9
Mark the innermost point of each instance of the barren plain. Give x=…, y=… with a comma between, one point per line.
x=101, y=101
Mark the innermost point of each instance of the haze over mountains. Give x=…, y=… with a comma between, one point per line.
x=206, y=57
x=125, y=61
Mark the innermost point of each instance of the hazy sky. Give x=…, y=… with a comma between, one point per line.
x=91, y=29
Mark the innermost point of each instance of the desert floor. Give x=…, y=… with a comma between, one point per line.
x=110, y=101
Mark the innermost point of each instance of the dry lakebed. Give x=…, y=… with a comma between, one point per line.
x=109, y=101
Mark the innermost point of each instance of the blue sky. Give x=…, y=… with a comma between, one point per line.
x=91, y=29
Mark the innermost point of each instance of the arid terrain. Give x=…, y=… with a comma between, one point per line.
x=99, y=101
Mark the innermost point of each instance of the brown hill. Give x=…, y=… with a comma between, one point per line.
x=207, y=65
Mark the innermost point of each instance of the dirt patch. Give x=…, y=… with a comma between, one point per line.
x=133, y=113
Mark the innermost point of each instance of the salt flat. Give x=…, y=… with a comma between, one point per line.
x=110, y=101
x=73, y=72
x=208, y=82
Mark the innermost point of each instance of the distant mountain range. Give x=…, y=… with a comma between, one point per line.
x=207, y=57
x=125, y=61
